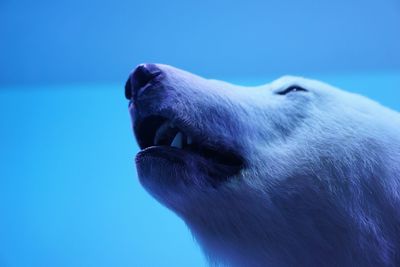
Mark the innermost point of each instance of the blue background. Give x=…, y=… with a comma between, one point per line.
x=69, y=195
x=91, y=41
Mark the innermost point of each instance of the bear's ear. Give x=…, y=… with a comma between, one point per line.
x=292, y=88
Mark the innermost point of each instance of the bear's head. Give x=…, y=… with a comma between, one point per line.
x=291, y=173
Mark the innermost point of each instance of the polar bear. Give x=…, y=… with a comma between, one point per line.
x=291, y=173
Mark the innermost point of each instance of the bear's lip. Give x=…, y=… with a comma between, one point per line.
x=158, y=142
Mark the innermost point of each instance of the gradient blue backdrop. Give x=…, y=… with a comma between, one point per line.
x=69, y=195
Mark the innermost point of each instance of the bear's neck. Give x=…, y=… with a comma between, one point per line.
x=302, y=227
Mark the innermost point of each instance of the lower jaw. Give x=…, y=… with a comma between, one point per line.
x=178, y=166
x=175, y=155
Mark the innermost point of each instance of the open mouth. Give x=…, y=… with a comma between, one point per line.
x=157, y=132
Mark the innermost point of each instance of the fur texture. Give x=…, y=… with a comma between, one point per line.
x=320, y=183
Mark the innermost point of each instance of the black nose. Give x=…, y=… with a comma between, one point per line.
x=141, y=76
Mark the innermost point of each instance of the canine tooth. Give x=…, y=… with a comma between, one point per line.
x=189, y=140
x=177, y=142
x=160, y=131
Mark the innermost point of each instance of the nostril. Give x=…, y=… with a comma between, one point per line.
x=141, y=76
x=128, y=89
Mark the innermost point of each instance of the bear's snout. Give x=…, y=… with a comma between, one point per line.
x=139, y=78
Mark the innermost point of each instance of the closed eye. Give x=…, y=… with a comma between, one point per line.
x=293, y=88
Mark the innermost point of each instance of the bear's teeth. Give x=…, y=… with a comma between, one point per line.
x=177, y=142
x=161, y=132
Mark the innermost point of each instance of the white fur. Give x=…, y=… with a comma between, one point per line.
x=321, y=183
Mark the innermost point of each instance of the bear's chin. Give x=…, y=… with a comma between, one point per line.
x=173, y=175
